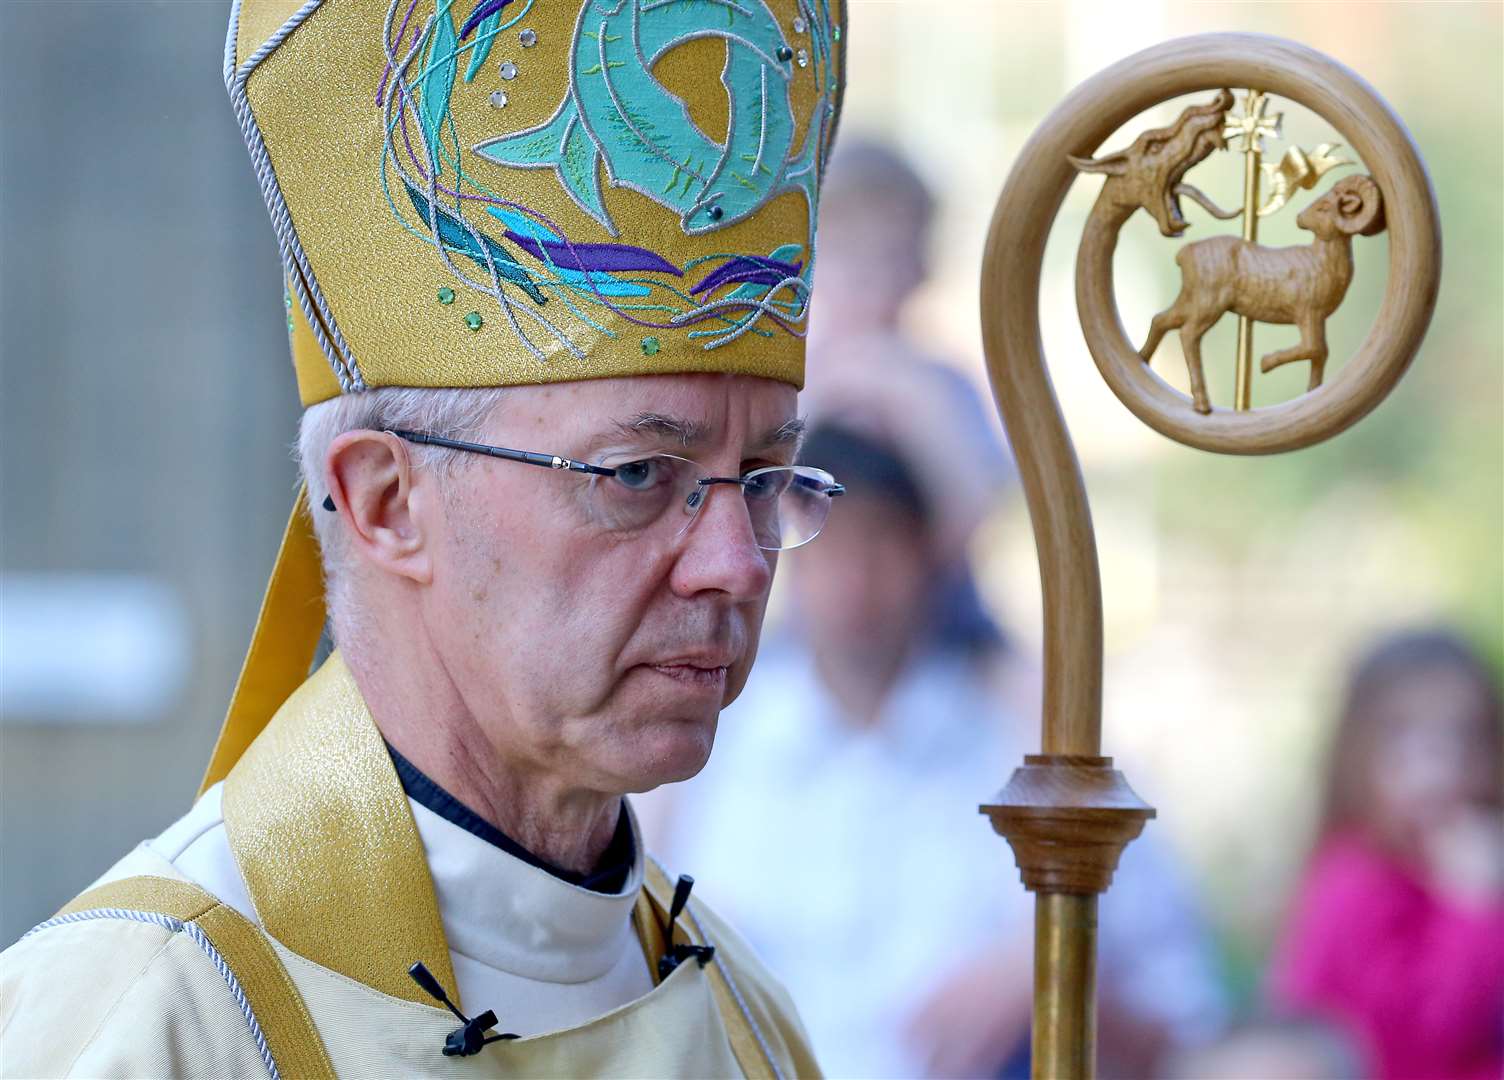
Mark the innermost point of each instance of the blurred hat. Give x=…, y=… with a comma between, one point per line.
x=933, y=417
x=868, y=467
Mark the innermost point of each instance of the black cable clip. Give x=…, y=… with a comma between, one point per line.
x=468, y=1039
x=677, y=954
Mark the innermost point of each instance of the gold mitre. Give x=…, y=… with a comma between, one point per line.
x=503, y=192
x=507, y=192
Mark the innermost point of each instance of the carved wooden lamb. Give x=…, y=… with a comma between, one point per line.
x=1299, y=285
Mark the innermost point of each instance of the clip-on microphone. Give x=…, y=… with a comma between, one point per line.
x=677, y=954
x=462, y=1041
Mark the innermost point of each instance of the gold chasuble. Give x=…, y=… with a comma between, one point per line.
x=150, y=976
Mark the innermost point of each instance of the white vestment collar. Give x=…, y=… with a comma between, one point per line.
x=544, y=954
x=515, y=917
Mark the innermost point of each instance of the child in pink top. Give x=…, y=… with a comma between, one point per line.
x=1397, y=930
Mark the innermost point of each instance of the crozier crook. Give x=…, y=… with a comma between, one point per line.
x=1066, y=812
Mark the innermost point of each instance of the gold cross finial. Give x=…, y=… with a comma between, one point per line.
x=1253, y=125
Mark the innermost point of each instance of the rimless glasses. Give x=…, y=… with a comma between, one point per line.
x=787, y=504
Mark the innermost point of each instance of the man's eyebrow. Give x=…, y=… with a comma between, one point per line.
x=684, y=432
x=689, y=433
x=789, y=433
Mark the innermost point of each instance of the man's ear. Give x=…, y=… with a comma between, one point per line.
x=371, y=481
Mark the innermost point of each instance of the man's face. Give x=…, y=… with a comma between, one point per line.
x=598, y=656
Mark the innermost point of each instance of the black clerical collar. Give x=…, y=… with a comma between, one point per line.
x=609, y=876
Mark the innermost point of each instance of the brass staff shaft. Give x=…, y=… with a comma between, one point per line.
x=1065, y=986
x=1243, y=392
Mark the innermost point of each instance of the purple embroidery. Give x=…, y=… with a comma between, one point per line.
x=748, y=268
x=560, y=253
x=575, y=256
x=482, y=10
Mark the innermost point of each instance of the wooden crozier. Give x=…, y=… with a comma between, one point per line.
x=1066, y=812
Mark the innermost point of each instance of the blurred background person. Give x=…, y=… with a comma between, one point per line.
x=874, y=248
x=877, y=213
x=1397, y=929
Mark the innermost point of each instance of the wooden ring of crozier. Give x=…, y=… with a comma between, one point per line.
x=1211, y=62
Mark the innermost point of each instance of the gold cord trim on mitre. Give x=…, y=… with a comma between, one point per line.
x=282, y=645
x=325, y=840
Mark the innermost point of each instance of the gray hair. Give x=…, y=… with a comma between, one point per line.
x=454, y=414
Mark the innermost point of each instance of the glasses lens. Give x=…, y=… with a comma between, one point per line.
x=788, y=504
x=642, y=491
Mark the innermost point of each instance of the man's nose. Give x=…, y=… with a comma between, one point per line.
x=719, y=552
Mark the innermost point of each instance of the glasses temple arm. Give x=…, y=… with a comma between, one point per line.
x=527, y=457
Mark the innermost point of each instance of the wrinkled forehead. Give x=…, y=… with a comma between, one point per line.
x=702, y=412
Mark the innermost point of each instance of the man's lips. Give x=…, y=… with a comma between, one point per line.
x=697, y=672
x=706, y=658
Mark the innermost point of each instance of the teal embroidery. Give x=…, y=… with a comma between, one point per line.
x=617, y=112
x=459, y=237
x=617, y=120
x=438, y=79
x=486, y=29
x=485, y=34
